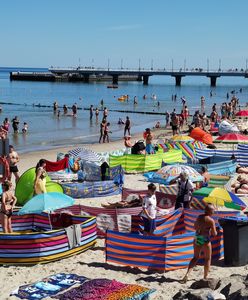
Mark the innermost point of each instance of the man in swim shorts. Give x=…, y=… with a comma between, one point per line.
x=204, y=227
x=13, y=160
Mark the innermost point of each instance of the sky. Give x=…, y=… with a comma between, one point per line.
x=63, y=33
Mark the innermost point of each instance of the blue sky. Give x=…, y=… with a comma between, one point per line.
x=41, y=33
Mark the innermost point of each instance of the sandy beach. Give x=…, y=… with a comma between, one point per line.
x=92, y=262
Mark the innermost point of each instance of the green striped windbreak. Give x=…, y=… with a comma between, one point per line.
x=138, y=163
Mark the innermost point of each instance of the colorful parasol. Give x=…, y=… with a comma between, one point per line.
x=181, y=138
x=172, y=171
x=232, y=138
x=219, y=197
x=242, y=113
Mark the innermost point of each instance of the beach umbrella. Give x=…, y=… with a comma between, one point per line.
x=181, y=138
x=86, y=155
x=47, y=202
x=169, y=172
x=242, y=113
x=219, y=197
x=232, y=138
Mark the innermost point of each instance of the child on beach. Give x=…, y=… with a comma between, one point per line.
x=25, y=127
x=149, y=211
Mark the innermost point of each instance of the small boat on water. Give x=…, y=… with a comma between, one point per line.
x=112, y=86
x=122, y=98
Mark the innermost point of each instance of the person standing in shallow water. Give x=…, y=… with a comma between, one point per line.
x=204, y=227
x=102, y=129
x=127, y=126
x=15, y=124
x=91, y=112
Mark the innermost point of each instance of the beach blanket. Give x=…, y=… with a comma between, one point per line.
x=52, y=166
x=48, y=286
x=63, y=176
x=106, y=289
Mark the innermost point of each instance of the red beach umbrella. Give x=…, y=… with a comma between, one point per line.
x=232, y=138
x=242, y=113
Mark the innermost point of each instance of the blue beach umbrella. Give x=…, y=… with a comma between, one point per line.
x=47, y=202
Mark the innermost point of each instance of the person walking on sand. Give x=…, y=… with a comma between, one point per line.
x=149, y=210
x=13, y=158
x=8, y=202
x=204, y=227
x=127, y=126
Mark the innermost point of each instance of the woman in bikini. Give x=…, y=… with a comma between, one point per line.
x=40, y=178
x=204, y=227
x=7, y=205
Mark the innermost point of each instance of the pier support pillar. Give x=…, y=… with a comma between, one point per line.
x=115, y=79
x=139, y=78
x=145, y=79
x=178, y=79
x=213, y=80
x=86, y=78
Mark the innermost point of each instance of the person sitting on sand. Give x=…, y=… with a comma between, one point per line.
x=242, y=170
x=8, y=202
x=204, y=227
x=40, y=178
x=240, y=186
x=205, y=175
x=157, y=125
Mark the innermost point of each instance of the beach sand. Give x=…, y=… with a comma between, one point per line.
x=92, y=262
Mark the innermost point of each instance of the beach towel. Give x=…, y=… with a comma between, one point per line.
x=57, y=165
x=106, y=289
x=48, y=286
x=73, y=233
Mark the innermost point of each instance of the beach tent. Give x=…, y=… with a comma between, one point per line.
x=138, y=163
x=227, y=127
x=202, y=136
x=85, y=154
x=25, y=186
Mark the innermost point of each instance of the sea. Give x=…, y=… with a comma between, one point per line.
x=26, y=99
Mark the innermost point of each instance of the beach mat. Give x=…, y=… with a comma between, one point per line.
x=106, y=289
x=48, y=286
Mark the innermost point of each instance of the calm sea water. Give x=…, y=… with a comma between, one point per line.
x=47, y=131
